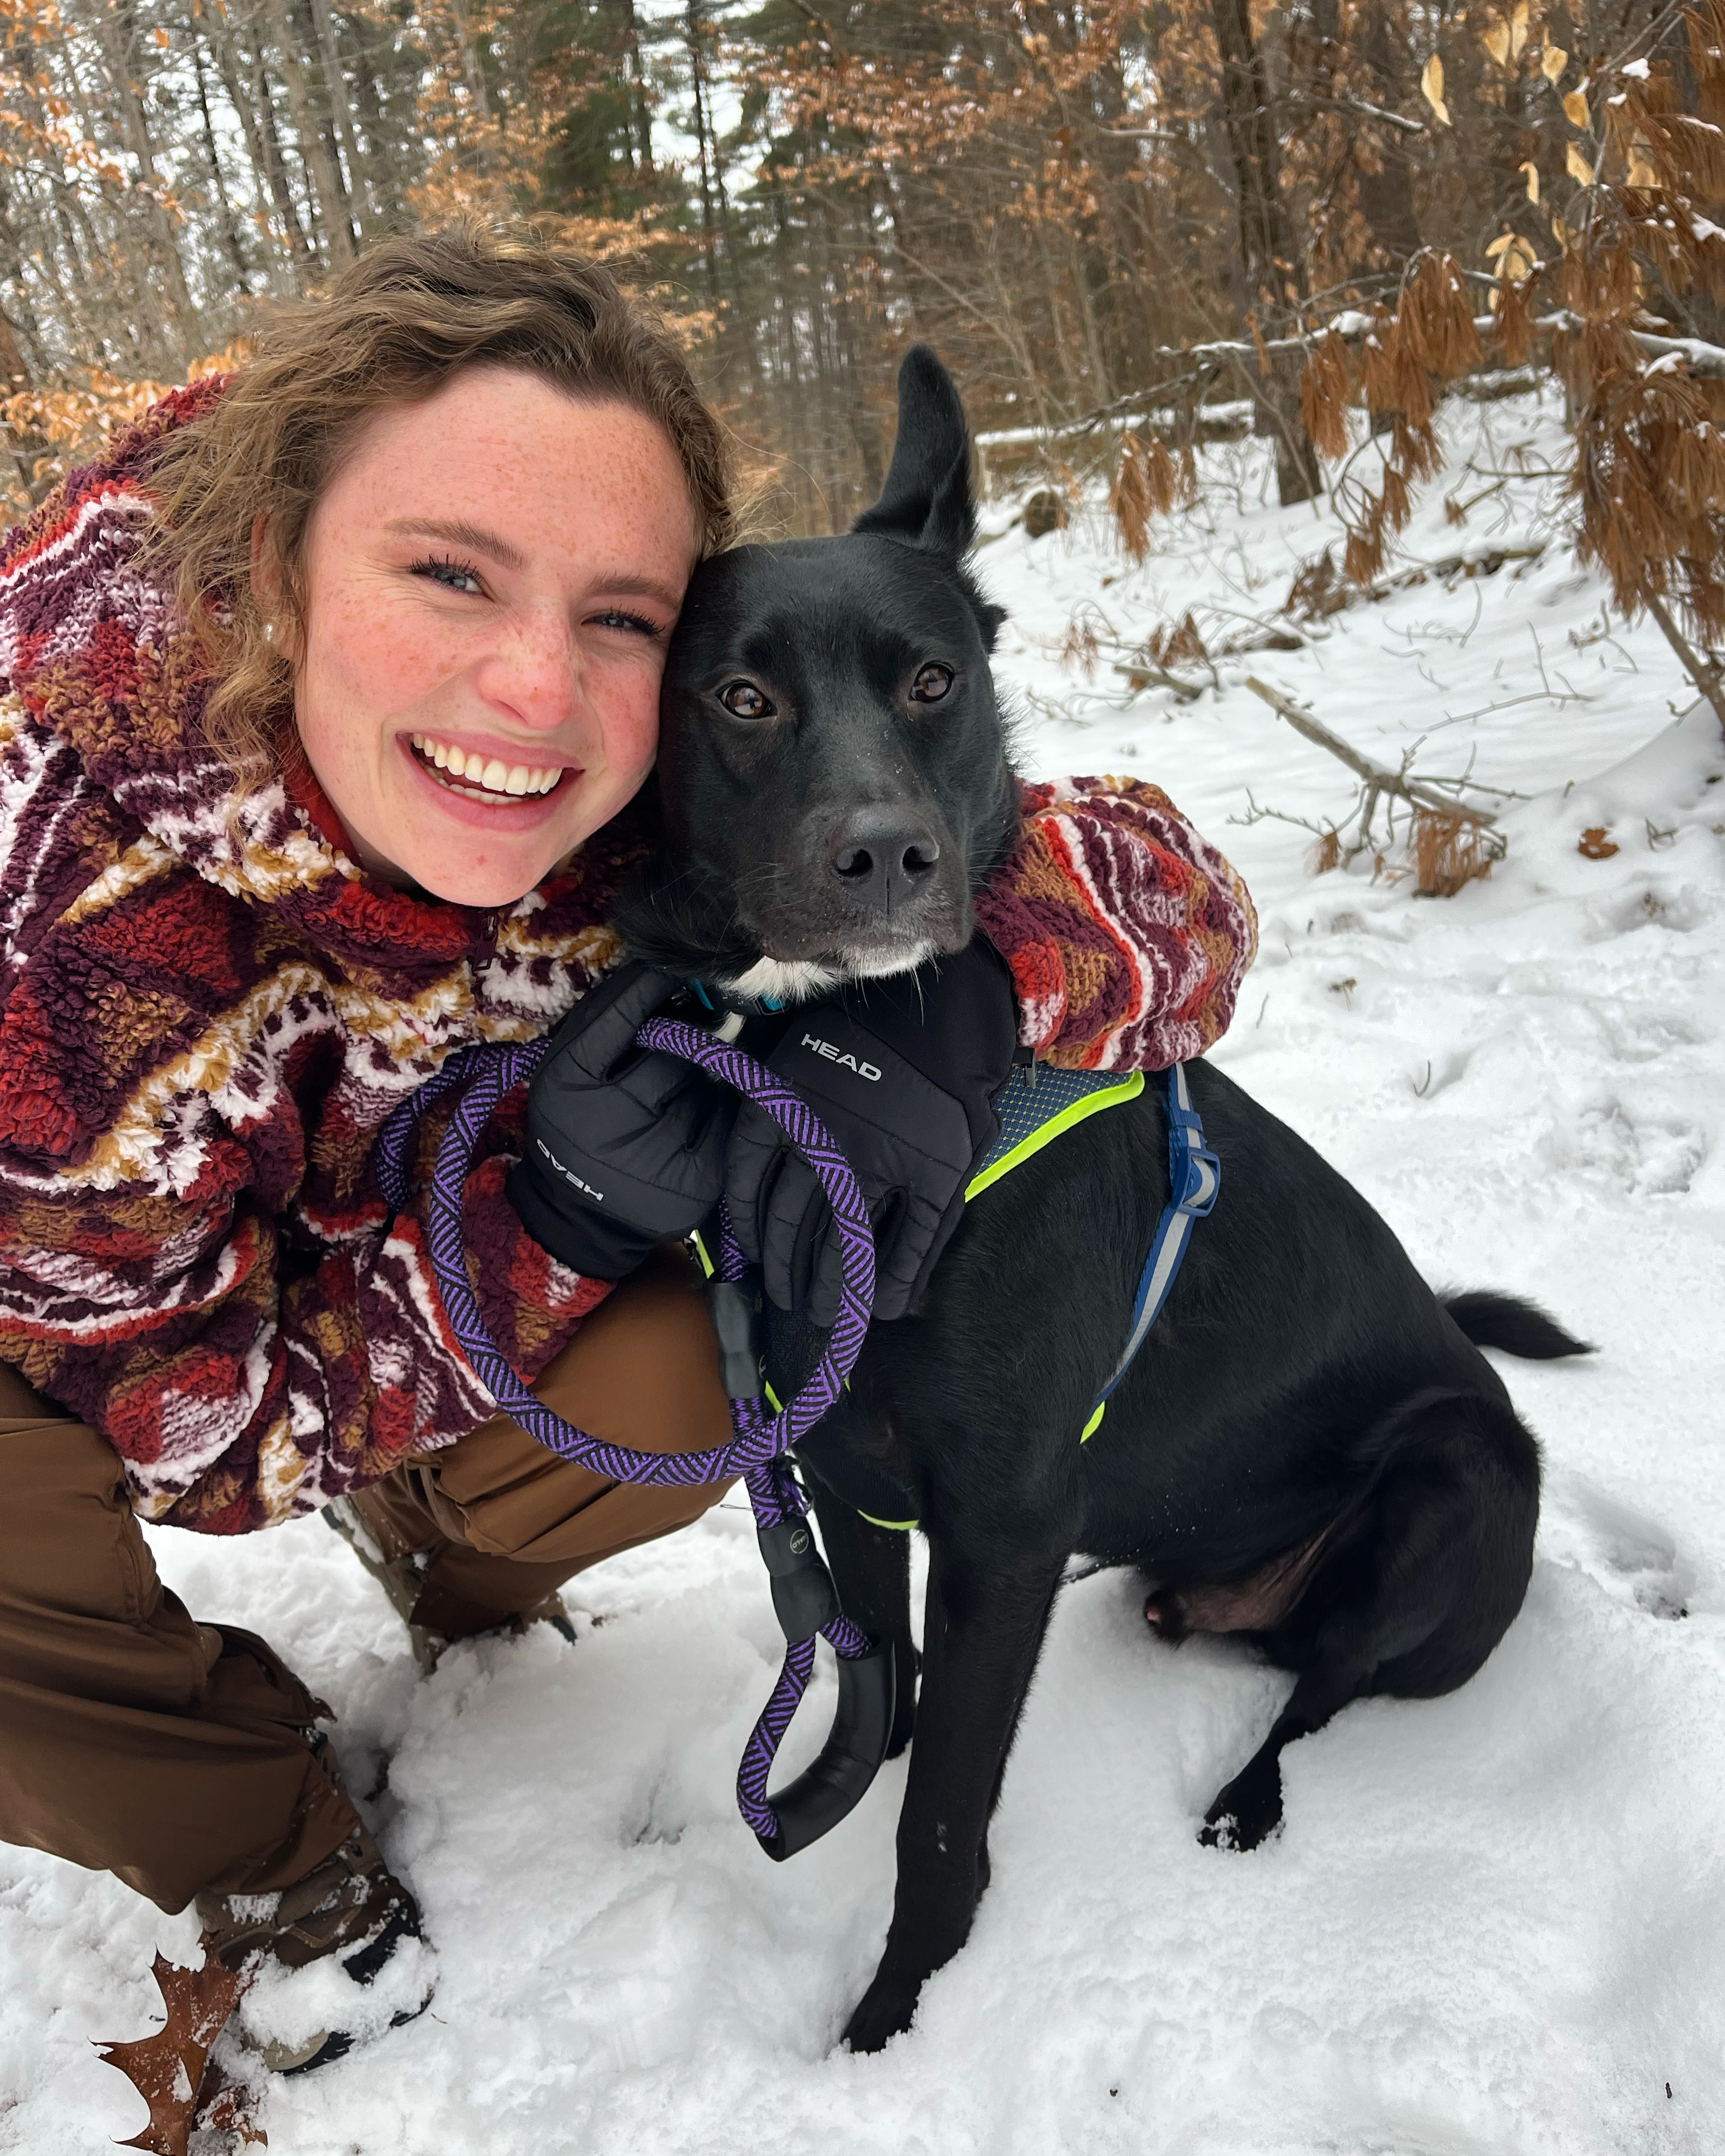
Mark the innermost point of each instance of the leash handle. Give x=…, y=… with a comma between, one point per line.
x=802, y=1589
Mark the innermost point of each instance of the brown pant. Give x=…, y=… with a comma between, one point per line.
x=136, y=1741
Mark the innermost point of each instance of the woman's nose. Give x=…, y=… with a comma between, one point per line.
x=533, y=672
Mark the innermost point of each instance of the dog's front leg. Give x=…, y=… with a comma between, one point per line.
x=871, y=1569
x=983, y=1626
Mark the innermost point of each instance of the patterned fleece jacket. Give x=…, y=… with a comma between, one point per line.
x=207, y=1010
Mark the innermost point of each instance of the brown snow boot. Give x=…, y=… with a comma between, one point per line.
x=350, y=1909
x=403, y=1579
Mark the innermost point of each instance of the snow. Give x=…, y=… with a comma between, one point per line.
x=1495, y=1922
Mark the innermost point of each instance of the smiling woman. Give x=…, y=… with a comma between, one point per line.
x=480, y=691
x=329, y=697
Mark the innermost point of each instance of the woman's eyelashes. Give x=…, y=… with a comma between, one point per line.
x=638, y=624
x=452, y=576
x=463, y=578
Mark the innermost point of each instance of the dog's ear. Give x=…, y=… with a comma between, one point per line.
x=926, y=498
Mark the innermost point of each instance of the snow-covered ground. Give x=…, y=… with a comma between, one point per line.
x=1495, y=1922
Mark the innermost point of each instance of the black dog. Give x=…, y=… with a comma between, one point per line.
x=1310, y=1451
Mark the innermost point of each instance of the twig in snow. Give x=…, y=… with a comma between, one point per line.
x=1451, y=841
x=1375, y=778
x=1706, y=673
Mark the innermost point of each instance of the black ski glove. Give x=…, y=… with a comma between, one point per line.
x=625, y=1146
x=903, y=1073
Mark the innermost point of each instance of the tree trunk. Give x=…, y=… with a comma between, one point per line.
x=327, y=188
x=229, y=224
x=119, y=40
x=640, y=112
x=1386, y=196
x=472, y=72
x=705, y=149
x=1266, y=243
x=342, y=113
x=257, y=124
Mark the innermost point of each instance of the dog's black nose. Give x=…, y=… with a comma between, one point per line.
x=883, y=857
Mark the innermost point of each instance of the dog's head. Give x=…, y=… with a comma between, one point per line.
x=832, y=762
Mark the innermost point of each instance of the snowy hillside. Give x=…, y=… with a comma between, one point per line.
x=1495, y=1922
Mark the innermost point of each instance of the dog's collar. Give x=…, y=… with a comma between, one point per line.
x=731, y=1002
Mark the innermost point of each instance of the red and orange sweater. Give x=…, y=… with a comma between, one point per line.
x=207, y=1010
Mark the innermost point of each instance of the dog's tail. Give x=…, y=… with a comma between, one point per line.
x=1517, y=1327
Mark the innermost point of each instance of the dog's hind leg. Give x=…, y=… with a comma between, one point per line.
x=983, y=1628
x=1417, y=1590
x=871, y=1569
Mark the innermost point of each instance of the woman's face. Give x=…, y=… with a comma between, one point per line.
x=491, y=577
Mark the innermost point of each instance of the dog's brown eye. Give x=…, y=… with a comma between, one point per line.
x=744, y=701
x=931, y=685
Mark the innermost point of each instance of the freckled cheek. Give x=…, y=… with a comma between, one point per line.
x=631, y=728
x=376, y=664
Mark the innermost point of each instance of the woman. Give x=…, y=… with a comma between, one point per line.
x=329, y=691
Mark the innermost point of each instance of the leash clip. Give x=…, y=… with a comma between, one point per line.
x=736, y=1320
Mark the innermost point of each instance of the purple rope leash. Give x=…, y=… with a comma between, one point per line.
x=760, y=1441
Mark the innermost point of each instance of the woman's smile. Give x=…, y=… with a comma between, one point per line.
x=496, y=775
x=485, y=777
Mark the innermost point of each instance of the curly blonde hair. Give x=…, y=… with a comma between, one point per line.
x=393, y=328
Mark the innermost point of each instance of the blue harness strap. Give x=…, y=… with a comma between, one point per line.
x=1195, y=1181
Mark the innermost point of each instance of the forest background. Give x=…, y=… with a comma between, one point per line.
x=1128, y=228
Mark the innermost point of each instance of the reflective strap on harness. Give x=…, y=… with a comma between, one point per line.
x=1195, y=1180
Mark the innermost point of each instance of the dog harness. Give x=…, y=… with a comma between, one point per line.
x=1037, y=1105
x=804, y=1598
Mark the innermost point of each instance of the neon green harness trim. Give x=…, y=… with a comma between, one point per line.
x=1022, y=1135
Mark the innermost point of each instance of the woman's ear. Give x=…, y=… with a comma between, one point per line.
x=269, y=588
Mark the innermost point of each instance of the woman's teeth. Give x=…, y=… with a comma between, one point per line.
x=487, y=775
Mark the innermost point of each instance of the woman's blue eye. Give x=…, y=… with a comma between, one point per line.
x=452, y=576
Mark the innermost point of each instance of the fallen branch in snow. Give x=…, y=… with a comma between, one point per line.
x=1451, y=841
x=1145, y=672
x=1195, y=368
x=1319, y=589
x=1376, y=778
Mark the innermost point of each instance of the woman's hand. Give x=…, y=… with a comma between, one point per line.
x=626, y=1147
x=903, y=1073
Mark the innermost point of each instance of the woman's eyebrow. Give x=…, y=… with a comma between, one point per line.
x=461, y=534
x=646, y=587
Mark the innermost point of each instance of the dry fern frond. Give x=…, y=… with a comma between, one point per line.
x=1183, y=643
x=1129, y=499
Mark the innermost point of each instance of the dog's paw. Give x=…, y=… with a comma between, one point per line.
x=1248, y=1811
x=885, y=2011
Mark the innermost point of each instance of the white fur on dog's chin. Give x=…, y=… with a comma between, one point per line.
x=801, y=980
